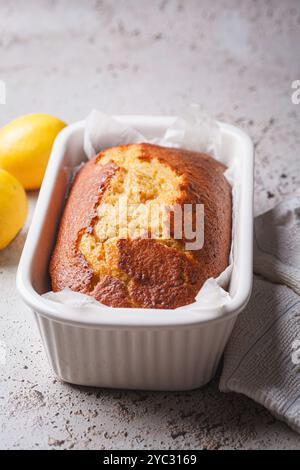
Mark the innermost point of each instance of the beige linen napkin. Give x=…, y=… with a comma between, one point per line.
x=262, y=358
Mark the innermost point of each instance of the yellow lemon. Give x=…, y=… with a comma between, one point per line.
x=13, y=207
x=25, y=146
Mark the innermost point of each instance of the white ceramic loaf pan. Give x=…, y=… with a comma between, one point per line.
x=133, y=348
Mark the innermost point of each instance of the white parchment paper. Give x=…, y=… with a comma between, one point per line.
x=195, y=130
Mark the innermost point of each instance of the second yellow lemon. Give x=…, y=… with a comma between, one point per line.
x=13, y=207
x=25, y=146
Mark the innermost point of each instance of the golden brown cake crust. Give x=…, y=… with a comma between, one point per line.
x=142, y=272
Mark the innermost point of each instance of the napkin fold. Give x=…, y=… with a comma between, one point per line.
x=262, y=358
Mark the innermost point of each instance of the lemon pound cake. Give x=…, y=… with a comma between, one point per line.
x=125, y=237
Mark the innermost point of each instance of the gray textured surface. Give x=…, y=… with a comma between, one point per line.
x=236, y=58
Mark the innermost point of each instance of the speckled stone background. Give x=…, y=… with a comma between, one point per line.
x=238, y=59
